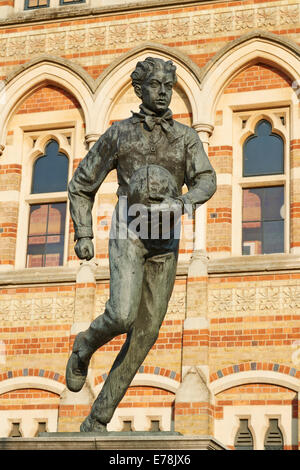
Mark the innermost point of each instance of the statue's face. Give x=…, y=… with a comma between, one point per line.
x=156, y=91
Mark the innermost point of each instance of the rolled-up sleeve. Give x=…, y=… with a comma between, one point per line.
x=89, y=175
x=200, y=177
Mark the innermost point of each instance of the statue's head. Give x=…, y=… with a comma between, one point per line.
x=153, y=81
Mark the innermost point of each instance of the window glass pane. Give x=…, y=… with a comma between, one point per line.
x=56, y=218
x=38, y=219
x=263, y=152
x=263, y=220
x=46, y=236
x=66, y=2
x=50, y=172
x=36, y=4
x=273, y=236
x=273, y=202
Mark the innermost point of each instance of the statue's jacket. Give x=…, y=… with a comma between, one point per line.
x=127, y=147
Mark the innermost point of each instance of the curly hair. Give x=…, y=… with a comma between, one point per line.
x=148, y=66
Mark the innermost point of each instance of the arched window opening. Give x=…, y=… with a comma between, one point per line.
x=263, y=152
x=243, y=439
x=273, y=438
x=50, y=171
x=46, y=232
x=263, y=205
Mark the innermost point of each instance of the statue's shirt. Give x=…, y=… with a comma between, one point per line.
x=127, y=146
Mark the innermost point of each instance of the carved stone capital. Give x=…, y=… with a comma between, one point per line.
x=204, y=131
x=198, y=264
x=91, y=139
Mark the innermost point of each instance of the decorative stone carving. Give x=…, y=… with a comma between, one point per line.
x=180, y=27
x=201, y=25
x=159, y=29
x=56, y=42
x=220, y=300
x=223, y=22
x=3, y=44
x=289, y=14
x=36, y=44
x=96, y=37
x=244, y=19
x=111, y=34
x=260, y=299
x=268, y=298
x=138, y=32
x=37, y=308
x=177, y=305
x=16, y=45
x=117, y=34
x=76, y=40
x=291, y=297
x=245, y=299
x=266, y=17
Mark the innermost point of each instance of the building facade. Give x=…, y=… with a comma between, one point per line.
x=227, y=359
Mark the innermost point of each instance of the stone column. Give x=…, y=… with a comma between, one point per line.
x=196, y=324
x=91, y=139
x=84, y=296
x=192, y=404
x=204, y=131
x=10, y=184
x=74, y=407
x=193, y=413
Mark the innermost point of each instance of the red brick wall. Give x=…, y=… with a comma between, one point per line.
x=258, y=77
x=48, y=98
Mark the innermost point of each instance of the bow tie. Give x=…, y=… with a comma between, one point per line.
x=165, y=121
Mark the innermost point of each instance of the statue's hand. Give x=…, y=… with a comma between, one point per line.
x=84, y=248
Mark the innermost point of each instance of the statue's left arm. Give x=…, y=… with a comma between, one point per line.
x=200, y=177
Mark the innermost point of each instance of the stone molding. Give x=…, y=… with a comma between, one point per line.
x=260, y=264
x=112, y=441
x=229, y=265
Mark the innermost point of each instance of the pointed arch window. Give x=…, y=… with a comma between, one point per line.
x=263, y=152
x=50, y=171
x=263, y=192
x=47, y=220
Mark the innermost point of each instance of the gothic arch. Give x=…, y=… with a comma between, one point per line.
x=117, y=76
x=239, y=54
x=44, y=71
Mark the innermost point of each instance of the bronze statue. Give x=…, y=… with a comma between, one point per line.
x=154, y=156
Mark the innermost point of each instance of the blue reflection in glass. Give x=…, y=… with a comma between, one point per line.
x=50, y=172
x=263, y=152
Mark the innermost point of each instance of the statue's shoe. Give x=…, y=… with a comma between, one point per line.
x=92, y=425
x=76, y=370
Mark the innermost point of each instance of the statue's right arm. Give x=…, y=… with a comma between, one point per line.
x=91, y=172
